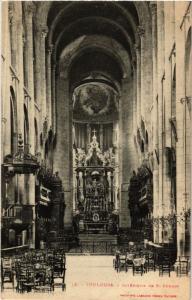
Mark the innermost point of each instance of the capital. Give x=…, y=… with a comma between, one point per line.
x=134, y=59
x=24, y=39
x=29, y=8
x=140, y=30
x=10, y=12
x=186, y=99
x=137, y=47
x=44, y=31
x=153, y=7
x=50, y=49
x=41, y=30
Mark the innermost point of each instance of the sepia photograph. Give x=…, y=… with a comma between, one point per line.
x=96, y=150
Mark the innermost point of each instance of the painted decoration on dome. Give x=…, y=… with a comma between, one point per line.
x=94, y=100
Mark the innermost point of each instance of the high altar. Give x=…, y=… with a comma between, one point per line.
x=95, y=197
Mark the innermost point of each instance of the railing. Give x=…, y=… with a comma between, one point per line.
x=99, y=247
x=21, y=212
x=14, y=250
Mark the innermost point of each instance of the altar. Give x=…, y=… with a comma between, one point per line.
x=95, y=193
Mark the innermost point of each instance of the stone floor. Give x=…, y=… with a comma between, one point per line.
x=93, y=278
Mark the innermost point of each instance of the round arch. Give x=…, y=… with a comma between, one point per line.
x=13, y=120
x=83, y=21
x=103, y=44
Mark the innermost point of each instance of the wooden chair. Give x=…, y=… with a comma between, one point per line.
x=116, y=260
x=122, y=263
x=21, y=277
x=59, y=269
x=150, y=261
x=165, y=267
x=183, y=266
x=7, y=274
x=138, y=266
x=43, y=279
x=129, y=261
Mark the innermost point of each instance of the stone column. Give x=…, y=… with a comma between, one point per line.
x=160, y=71
x=40, y=77
x=155, y=123
x=112, y=199
x=77, y=180
x=44, y=31
x=63, y=152
x=168, y=36
x=48, y=87
x=30, y=9
x=181, y=143
x=6, y=80
x=17, y=19
x=53, y=87
x=101, y=137
x=134, y=98
x=141, y=31
x=127, y=154
x=138, y=78
x=88, y=134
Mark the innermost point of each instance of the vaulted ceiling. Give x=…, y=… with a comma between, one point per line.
x=116, y=20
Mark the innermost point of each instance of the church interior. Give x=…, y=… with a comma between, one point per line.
x=96, y=126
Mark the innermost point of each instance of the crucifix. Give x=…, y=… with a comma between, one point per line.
x=94, y=132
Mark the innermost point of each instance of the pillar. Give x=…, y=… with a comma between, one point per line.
x=138, y=78
x=180, y=145
x=30, y=9
x=160, y=78
x=40, y=75
x=48, y=86
x=63, y=152
x=155, y=124
x=6, y=80
x=127, y=155
x=141, y=32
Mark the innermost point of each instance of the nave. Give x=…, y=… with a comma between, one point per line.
x=96, y=130
x=91, y=277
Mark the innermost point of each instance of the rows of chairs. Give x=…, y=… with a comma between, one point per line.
x=143, y=261
x=40, y=271
x=137, y=262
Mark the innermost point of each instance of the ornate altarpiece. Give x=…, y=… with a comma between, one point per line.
x=95, y=197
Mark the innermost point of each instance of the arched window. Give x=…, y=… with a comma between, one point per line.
x=13, y=121
x=26, y=128
x=36, y=136
x=173, y=93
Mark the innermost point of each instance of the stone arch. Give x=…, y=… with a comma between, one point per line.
x=102, y=43
x=120, y=8
x=111, y=23
x=63, y=151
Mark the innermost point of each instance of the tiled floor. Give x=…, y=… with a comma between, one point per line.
x=93, y=278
